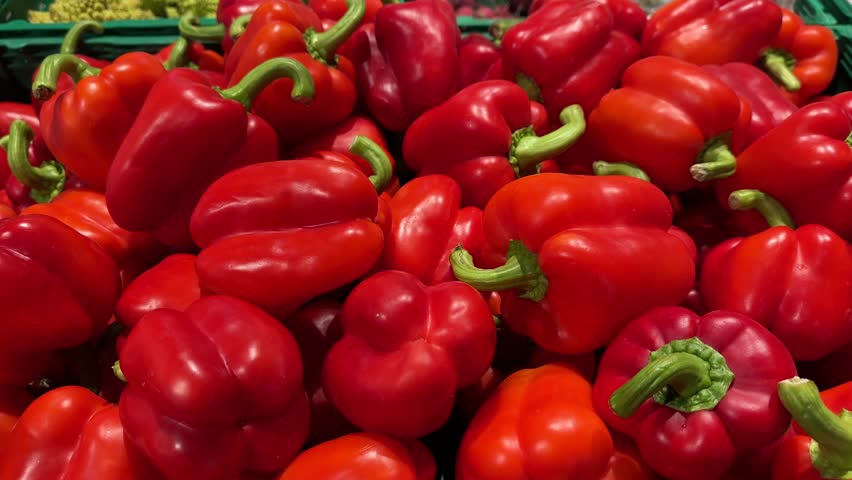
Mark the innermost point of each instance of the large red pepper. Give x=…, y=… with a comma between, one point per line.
x=268, y=239
x=583, y=257
x=72, y=434
x=477, y=55
x=567, y=53
x=389, y=59
x=822, y=447
x=171, y=284
x=364, y=455
x=406, y=349
x=796, y=282
x=485, y=136
x=805, y=164
x=672, y=120
x=13, y=401
x=539, y=424
x=161, y=169
x=628, y=16
x=712, y=31
x=289, y=33
x=233, y=403
x=42, y=258
x=693, y=391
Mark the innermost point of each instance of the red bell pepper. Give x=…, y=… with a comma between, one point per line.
x=364, y=455
x=627, y=15
x=406, y=349
x=626, y=462
x=336, y=9
x=13, y=402
x=690, y=120
x=803, y=58
x=35, y=176
x=712, y=31
x=477, y=54
x=769, y=107
x=35, y=265
x=427, y=223
x=231, y=12
x=184, y=52
x=269, y=240
x=540, y=423
x=567, y=53
x=805, y=164
x=232, y=404
x=581, y=257
x=822, y=447
x=10, y=111
x=72, y=434
x=389, y=59
x=171, y=284
x=471, y=398
x=161, y=170
x=85, y=125
x=796, y=282
x=694, y=391
x=484, y=137
x=287, y=32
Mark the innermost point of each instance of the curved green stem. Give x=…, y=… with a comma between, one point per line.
x=72, y=38
x=45, y=181
x=323, y=46
x=831, y=445
x=267, y=72
x=602, y=168
x=116, y=370
x=499, y=28
x=238, y=26
x=376, y=157
x=190, y=29
x=528, y=150
x=779, y=65
x=179, y=56
x=774, y=213
x=521, y=271
x=44, y=84
x=687, y=375
x=715, y=161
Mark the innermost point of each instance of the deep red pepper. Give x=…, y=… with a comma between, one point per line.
x=712, y=31
x=160, y=171
x=171, y=284
x=273, y=233
x=406, y=349
x=582, y=257
x=336, y=9
x=30, y=175
x=184, y=52
x=477, y=54
x=628, y=16
x=485, y=136
x=389, y=60
x=593, y=55
x=10, y=111
x=13, y=401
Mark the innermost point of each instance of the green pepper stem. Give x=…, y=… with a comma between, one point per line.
x=521, y=271
x=376, y=157
x=715, y=162
x=831, y=446
x=179, y=56
x=45, y=181
x=116, y=370
x=72, y=38
x=529, y=85
x=602, y=168
x=267, y=72
x=238, y=26
x=4, y=142
x=499, y=28
x=44, y=84
x=779, y=64
x=190, y=29
x=530, y=150
x=323, y=46
x=774, y=213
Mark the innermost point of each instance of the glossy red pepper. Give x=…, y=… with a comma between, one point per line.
x=73, y=434
x=389, y=61
x=694, y=391
x=171, y=284
x=593, y=54
x=712, y=31
x=272, y=233
x=628, y=16
x=283, y=29
x=626, y=462
x=13, y=401
x=233, y=404
x=406, y=349
x=40, y=257
x=485, y=136
x=477, y=54
x=336, y=9
x=364, y=455
x=822, y=447
x=161, y=170
x=581, y=257
x=10, y=111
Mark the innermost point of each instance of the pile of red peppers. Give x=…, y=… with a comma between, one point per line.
x=354, y=244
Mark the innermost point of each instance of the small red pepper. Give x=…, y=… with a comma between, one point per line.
x=10, y=111
x=336, y=9
x=712, y=31
x=694, y=391
x=628, y=16
x=35, y=176
x=485, y=136
x=161, y=169
x=13, y=401
x=187, y=53
x=364, y=455
x=477, y=54
x=171, y=284
x=406, y=349
x=822, y=447
x=232, y=404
